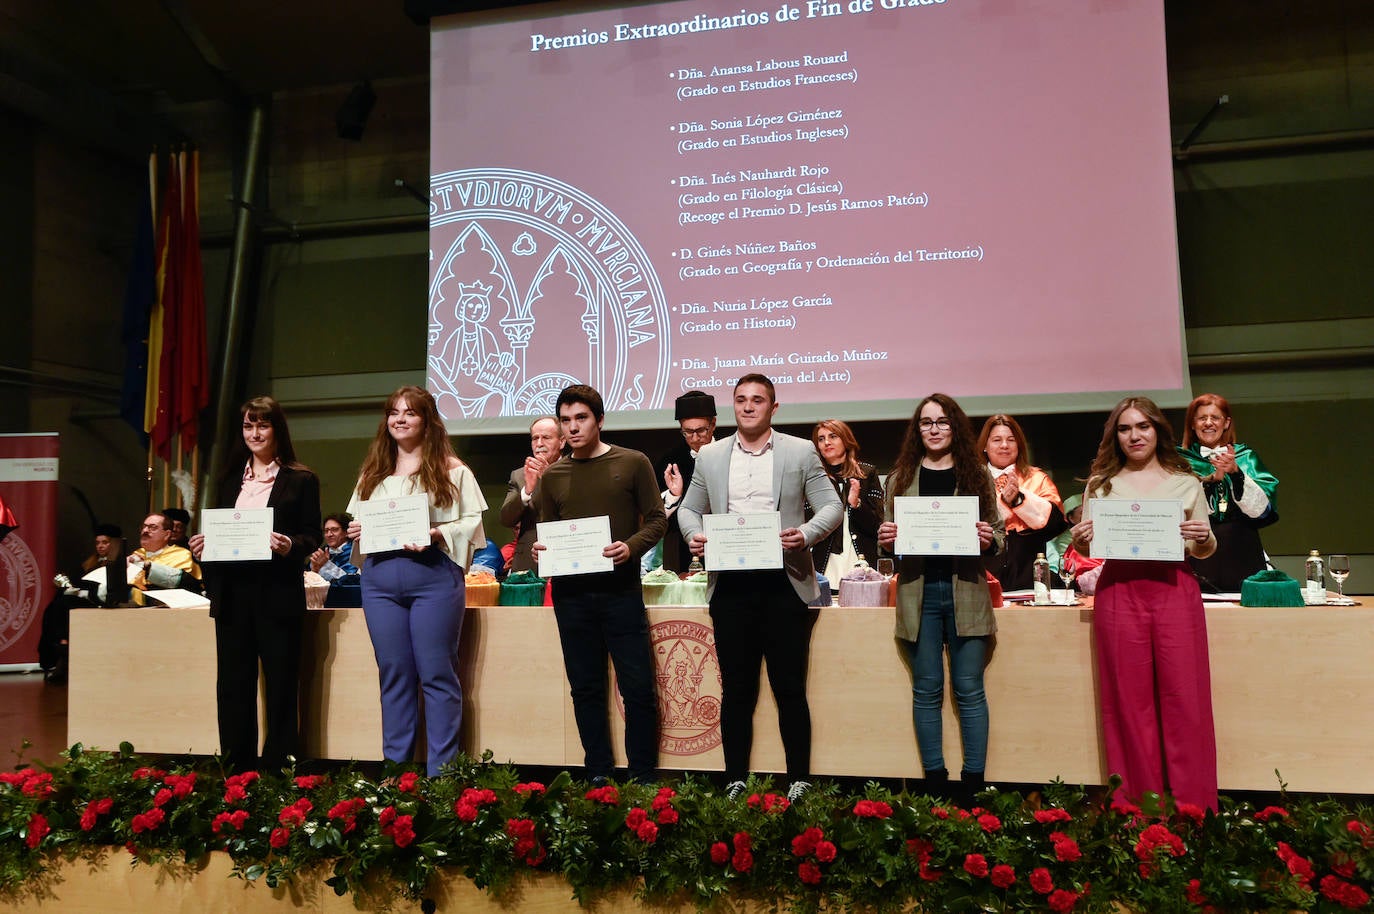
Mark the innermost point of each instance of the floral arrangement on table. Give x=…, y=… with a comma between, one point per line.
x=1054, y=850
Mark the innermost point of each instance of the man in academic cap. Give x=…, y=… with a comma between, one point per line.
x=695, y=412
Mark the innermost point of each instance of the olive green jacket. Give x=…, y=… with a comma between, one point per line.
x=972, y=599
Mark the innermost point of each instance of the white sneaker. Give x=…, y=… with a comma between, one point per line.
x=733, y=790
x=796, y=789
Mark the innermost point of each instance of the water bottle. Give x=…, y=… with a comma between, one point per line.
x=1040, y=574
x=1315, y=593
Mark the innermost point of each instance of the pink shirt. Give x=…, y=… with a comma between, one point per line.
x=255, y=492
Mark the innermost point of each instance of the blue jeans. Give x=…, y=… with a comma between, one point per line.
x=590, y=626
x=967, y=657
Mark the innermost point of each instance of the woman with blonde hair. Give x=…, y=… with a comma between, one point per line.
x=1153, y=679
x=861, y=493
x=413, y=598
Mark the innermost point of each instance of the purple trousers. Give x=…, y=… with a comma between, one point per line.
x=414, y=605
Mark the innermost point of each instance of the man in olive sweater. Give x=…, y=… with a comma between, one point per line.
x=603, y=612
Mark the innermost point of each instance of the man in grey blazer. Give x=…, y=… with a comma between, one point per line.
x=762, y=614
x=518, y=511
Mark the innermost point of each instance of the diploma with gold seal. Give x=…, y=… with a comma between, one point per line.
x=743, y=542
x=1143, y=529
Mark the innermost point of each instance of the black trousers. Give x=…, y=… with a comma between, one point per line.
x=247, y=633
x=759, y=617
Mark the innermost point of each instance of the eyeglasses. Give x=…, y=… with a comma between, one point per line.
x=703, y=432
x=928, y=424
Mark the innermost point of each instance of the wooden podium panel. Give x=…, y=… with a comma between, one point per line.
x=1293, y=690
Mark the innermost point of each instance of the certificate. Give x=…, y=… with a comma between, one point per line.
x=936, y=525
x=392, y=523
x=1145, y=529
x=236, y=534
x=574, y=546
x=743, y=542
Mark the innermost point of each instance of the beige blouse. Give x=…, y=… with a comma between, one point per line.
x=459, y=525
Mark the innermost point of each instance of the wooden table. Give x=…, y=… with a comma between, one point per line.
x=1293, y=690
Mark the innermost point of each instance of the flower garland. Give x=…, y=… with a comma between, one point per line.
x=1054, y=850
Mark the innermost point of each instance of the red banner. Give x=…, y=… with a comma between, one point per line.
x=28, y=554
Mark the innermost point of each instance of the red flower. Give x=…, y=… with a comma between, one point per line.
x=181, y=784
x=1047, y=816
x=140, y=774
x=1062, y=900
x=1194, y=892
x=1271, y=811
x=1003, y=876
x=310, y=781
x=825, y=851
x=235, y=819
x=295, y=814
x=636, y=818
x=472, y=799
x=1342, y=864
x=608, y=795
x=1125, y=807
x=147, y=821
x=406, y=782
x=236, y=786
x=976, y=865
x=667, y=816
x=647, y=832
x=809, y=873
x=928, y=874
x=38, y=828
x=1192, y=811
x=939, y=812
x=162, y=797
x=1065, y=848
x=920, y=848
x=1155, y=837
x=93, y=811
x=1344, y=893
x=720, y=853
x=769, y=802
x=989, y=823
x=1297, y=864
x=1365, y=833
x=804, y=845
x=347, y=810
x=527, y=847
x=529, y=788
x=1041, y=881
x=403, y=831
x=872, y=809
x=664, y=799
x=743, y=859
x=279, y=837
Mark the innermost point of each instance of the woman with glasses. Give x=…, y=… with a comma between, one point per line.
x=1240, y=494
x=1149, y=629
x=1026, y=498
x=861, y=493
x=944, y=600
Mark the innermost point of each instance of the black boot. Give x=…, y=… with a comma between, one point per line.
x=971, y=783
x=936, y=784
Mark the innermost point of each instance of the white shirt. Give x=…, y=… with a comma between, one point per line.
x=751, y=479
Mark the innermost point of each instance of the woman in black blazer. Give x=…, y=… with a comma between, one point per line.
x=259, y=607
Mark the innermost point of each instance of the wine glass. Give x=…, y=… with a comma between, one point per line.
x=1066, y=574
x=1339, y=567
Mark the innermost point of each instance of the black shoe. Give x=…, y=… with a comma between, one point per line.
x=971, y=783
x=936, y=784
